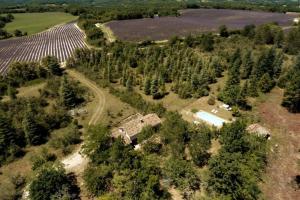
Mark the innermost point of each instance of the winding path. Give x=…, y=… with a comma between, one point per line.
x=76, y=162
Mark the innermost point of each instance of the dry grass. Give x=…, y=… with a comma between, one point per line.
x=171, y=101
x=282, y=161
x=31, y=91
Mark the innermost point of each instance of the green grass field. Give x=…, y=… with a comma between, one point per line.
x=37, y=22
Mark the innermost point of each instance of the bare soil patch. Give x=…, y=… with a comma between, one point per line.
x=283, y=160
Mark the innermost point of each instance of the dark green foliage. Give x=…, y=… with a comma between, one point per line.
x=292, y=41
x=98, y=179
x=69, y=98
x=235, y=171
x=7, y=139
x=3, y=21
x=174, y=132
x=247, y=65
x=41, y=159
x=34, y=133
x=52, y=65
x=18, y=33
x=152, y=147
x=50, y=183
x=291, y=99
x=223, y=31
x=20, y=73
x=98, y=144
x=156, y=66
x=182, y=174
x=232, y=93
x=147, y=87
x=94, y=34
x=266, y=83
x=207, y=42
x=269, y=34
x=146, y=133
x=120, y=170
x=249, y=31
x=199, y=144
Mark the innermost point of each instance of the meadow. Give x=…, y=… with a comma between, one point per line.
x=37, y=22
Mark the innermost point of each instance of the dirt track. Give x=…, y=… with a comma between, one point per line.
x=76, y=162
x=95, y=89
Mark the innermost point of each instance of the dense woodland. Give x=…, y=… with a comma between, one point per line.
x=188, y=66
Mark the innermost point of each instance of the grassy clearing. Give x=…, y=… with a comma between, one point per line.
x=31, y=91
x=37, y=22
x=171, y=101
x=114, y=110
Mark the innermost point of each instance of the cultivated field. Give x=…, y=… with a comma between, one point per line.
x=33, y=23
x=59, y=41
x=193, y=21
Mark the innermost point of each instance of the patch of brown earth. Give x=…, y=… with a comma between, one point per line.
x=283, y=160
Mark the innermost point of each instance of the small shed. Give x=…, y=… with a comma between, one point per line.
x=259, y=130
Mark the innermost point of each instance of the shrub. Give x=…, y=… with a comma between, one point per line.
x=211, y=100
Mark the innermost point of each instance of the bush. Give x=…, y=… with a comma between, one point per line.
x=49, y=183
x=98, y=179
x=211, y=100
x=152, y=147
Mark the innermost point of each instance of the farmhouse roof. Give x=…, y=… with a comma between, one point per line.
x=258, y=129
x=133, y=125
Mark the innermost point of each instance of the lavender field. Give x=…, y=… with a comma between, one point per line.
x=194, y=21
x=59, y=41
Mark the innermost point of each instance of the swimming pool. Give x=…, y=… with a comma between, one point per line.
x=210, y=118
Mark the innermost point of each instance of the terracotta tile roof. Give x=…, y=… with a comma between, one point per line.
x=258, y=129
x=133, y=125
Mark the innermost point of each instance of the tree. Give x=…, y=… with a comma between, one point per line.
x=67, y=94
x=291, y=99
x=97, y=144
x=174, y=131
x=147, y=86
x=182, y=174
x=200, y=142
x=18, y=33
x=292, y=42
x=223, y=31
x=98, y=179
x=154, y=87
x=33, y=133
x=247, y=65
x=49, y=183
x=249, y=31
x=266, y=83
x=52, y=64
x=207, y=42
x=252, y=89
x=129, y=84
x=231, y=178
x=216, y=65
x=7, y=137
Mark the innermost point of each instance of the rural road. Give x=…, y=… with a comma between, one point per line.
x=76, y=162
x=97, y=92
